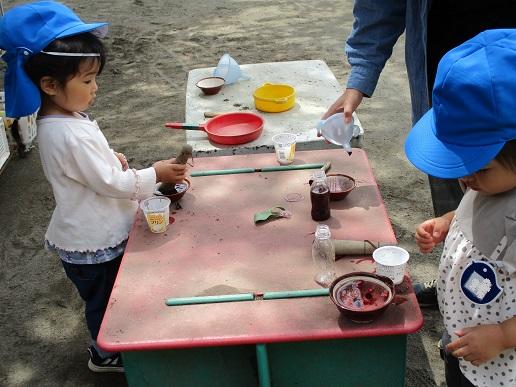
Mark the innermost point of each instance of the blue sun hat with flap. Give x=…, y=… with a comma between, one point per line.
x=25, y=30
x=474, y=108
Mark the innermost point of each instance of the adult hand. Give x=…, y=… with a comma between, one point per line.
x=169, y=172
x=123, y=160
x=478, y=344
x=432, y=232
x=347, y=103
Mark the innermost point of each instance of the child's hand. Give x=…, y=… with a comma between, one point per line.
x=123, y=160
x=169, y=172
x=478, y=344
x=432, y=232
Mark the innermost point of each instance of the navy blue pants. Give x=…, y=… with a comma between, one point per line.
x=446, y=194
x=453, y=374
x=94, y=283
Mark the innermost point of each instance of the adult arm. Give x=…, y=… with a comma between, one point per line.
x=376, y=28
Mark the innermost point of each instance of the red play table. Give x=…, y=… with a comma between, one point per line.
x=213, y=247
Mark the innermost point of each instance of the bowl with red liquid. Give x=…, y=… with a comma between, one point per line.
x=340, y=185
x=361, y=296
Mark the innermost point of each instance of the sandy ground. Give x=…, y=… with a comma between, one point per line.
x=153, y=44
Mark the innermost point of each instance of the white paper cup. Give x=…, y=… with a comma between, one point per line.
x=285, y=146
x=156, y=211
x=390, y=262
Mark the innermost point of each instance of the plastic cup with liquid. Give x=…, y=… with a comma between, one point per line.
x=156, y=211
x=285, y=147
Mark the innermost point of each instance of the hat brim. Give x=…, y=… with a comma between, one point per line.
x=98, y=29
x=440, y=159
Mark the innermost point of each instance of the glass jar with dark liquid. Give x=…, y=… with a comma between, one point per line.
x=320, y=196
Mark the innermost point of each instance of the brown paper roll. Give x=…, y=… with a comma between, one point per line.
x=347, y=247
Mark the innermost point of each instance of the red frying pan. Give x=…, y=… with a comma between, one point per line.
x=229, y=128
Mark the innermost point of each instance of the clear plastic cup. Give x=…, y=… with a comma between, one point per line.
x=285, y=146
x=156, y=211
x=390, y=262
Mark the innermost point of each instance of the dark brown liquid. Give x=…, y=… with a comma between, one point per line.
x=168, y=189
x=320, y=203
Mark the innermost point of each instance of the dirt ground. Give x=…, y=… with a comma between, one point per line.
x=152, y=46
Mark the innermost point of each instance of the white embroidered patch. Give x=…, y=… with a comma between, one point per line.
x=478, y=285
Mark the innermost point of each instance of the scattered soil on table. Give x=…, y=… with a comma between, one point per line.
x=152, y=45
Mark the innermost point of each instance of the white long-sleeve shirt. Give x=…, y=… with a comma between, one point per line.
x=96, y=201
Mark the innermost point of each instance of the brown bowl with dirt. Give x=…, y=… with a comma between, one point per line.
x=362, y=297
x=172, y=191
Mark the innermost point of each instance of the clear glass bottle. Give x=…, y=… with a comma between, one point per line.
x=320, y=196
x=323, y=254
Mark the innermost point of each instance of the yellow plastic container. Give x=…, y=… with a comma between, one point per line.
x=274, y=97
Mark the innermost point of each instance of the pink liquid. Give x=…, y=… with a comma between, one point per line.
x=363, y=296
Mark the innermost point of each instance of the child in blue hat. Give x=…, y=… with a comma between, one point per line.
x=53, y=59
x=470, y=134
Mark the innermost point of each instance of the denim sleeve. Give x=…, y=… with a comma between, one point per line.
x=377, y=26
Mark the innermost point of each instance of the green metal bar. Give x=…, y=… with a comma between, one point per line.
x=209, y=299
x=278, y=168
x=296, y=294
x=246, y=297
x=292, y=167
x=264, y=375
x=222, y=172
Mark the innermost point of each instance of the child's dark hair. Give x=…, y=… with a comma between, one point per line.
x=63, y=68
x=507, y=156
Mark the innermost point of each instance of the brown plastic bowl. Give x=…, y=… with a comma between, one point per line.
x=210, y=85
x=174, y=197
x=364, y=314
x=340, y=185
